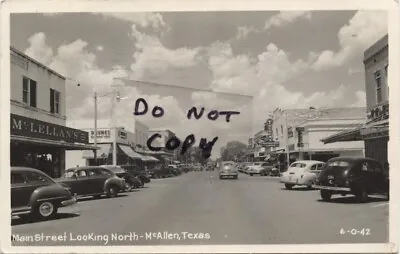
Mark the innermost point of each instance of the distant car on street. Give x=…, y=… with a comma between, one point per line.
x=35, y=194
x=357, y=176
x=228, y=169
x=259, y=168
x=303, y=172
x=92, y=181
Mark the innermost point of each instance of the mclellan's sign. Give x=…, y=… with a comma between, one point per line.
x=28, y=127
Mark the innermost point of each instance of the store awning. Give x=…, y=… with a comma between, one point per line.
x=51, y=143
x=103, y=152
x=344, y=136
x=149, y=158
x=129, y=152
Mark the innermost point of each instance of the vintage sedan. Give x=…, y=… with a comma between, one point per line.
x=33, y=193
x=92, y=181
x=304, y=172
x=357, y=176
x=259, y=168
x=228, y=169
x=132, y=182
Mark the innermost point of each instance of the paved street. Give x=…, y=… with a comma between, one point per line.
x=251, y=210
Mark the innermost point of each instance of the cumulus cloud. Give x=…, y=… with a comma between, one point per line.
x=244, y=31
x=361, y=99
x=38, y=48
x=363, y=29
x=286, y=17
x=143, y=19
x=153, y=57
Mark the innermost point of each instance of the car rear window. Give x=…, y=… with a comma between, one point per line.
x=17, y=178
x=341, y=164
x=298, y=165
x=37, y=178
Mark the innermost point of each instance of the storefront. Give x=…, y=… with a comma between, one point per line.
x=42, y=145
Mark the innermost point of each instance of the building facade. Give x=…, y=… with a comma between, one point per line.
x=165, y=154
x=39, y=136
x=375, y=133
x=298, y=133
x=127, y=150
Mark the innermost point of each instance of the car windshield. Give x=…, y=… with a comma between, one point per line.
x=257, y=164
x=340, y=164
x=228, y=164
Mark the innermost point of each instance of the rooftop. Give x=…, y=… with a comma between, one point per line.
x=376, y=47
x=20, y=53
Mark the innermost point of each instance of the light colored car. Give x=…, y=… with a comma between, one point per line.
x=228, y=169
x=304, y=172
x=256, y=168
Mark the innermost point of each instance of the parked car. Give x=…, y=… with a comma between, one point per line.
x=160, y=171
x=228, y=169
x=143, y=175
x=92, y=181
x=357, y=176
x=174, y=170
x=35, y=194
x=304, y=173
x=132, y=182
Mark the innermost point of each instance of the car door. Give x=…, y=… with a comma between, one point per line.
x=33, y=182
x=80, y=185
x=20, y=191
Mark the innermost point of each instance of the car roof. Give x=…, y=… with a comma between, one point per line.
x=348, y=158
x=308, y=162
x=84, y=167
x=26, y=169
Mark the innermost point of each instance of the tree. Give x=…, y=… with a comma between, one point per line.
x=233, y=151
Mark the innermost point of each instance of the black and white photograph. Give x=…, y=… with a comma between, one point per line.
x=203, y=127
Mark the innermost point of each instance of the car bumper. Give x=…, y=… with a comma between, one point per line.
x=68, y=202
x=228, y=174
x=332, y=188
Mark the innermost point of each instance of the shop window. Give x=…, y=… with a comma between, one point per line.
x=378, y=82
x=54, y=101
x=29, y=91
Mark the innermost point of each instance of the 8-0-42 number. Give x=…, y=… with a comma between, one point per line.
x=353, y=231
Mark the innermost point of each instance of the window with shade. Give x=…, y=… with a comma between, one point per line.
x=378, y=83
x=54, y=101
x=29, y=91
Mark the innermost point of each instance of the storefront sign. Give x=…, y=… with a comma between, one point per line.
x=379, y=113
x=106, y=133
x=28, y=127
x=268, y=129
x=122, y=134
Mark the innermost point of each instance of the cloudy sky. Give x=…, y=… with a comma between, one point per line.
x=253, y=61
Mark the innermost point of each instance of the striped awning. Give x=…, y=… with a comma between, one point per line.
x=129, y=152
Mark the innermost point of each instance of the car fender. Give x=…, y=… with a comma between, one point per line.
x=112, y=180
x=49, y=192
x=308, y=177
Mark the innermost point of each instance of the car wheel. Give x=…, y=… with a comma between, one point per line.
x=251, y=174
x=326, y=195
x=112, y=191
x=288, y=186
x=362, y=195
x=128, y=187
x=46, y=210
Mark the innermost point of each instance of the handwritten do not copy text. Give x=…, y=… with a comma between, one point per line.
x=142, y=107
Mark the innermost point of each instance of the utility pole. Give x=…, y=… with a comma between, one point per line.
x=95, y=128
x=287, y=141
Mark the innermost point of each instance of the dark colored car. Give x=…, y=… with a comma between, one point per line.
x=160, y=171
x=132, y=182
x=275, y=171
x=267, y=169
x=33, y=193
x=92, y=181
x=358, y=176
x=141, y=174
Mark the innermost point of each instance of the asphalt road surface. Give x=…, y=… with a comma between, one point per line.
x=199, y=208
